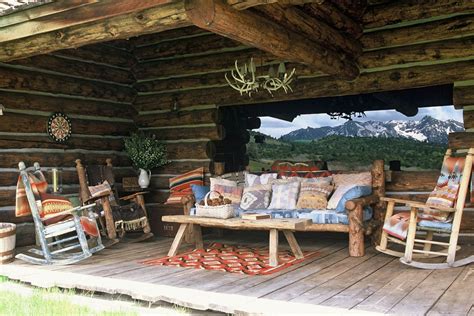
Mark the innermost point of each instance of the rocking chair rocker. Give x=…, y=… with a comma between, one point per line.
x=420, y=218
x=119, y=219
x=68, y=222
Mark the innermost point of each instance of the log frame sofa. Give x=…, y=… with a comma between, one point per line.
x=357, y=229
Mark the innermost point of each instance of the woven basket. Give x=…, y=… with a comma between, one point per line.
x=221, y=211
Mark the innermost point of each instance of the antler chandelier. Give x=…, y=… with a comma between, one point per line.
x=245, y=79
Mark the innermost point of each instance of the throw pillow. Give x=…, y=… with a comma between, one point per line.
x=284, y=196
x=238, y=177
x=446, y=191
x=52, y=204
x=215, y=181
x=38, y=185
x=321, y=180
x=349, y=186
x=199, y=191
x=253, y=179
x=102, y=188
x=256, y=197
x=181, y=185
x=314, y=195
x=233, y=193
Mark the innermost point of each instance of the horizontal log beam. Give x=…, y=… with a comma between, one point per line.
x=100, y=10
x=99, y=53
x=246, y=4
x=42, y=11
x=296, y=19
x=31, y=101
x=212, y=133
x=156, y=19
x=332, y=15
x=179, y=118
x=394, y=79
x=461, y=140
x=468, y=118
x=463, y=96
x=249, y=28
x=455, y=27
x=408, y=10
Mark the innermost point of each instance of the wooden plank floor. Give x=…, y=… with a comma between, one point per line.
x=331, y=282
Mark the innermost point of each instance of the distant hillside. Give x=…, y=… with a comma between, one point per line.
x=352, y=151
x=427, y=129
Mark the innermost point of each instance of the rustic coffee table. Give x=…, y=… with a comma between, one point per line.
x=287, y=226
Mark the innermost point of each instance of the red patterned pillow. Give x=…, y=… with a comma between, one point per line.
x=300, y=169
x=52, y=204
x=181, y=185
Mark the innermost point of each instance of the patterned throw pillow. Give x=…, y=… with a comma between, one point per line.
x=314, y=196
x=102, y=188
x=446, y=191
x=322, y=180
x=253, y=179
x=349, y=186
x=284, y=196
x=52, y=204
x=181, y=185
x=233, y=193
x=256, y=197
x=216, y=181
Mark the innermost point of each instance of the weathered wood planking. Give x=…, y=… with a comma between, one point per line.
x=461, y=140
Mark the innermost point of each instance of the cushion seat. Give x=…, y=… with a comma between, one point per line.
x=317, y=216
x=435, y=225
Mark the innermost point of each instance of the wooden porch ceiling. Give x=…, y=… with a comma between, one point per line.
x=322, y=34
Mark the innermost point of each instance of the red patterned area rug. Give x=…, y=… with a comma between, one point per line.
x=231, y=258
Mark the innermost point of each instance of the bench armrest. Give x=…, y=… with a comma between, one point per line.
x=362, y=201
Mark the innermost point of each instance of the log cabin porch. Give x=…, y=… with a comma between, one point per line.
x=158, y=66
x=330, y=283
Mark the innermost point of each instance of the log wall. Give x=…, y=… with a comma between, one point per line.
x=92, y=85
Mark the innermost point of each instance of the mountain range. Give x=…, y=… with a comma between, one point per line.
x=428, y=129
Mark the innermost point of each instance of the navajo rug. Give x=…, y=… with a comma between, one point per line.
x=231, y=258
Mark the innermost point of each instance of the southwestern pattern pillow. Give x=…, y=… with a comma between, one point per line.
x=181, y=185
x=446, y=191
x=256, y=197
x=349, y=186
x=314, y=196
x=284, y=196
x=253, y=179
x=52, y=204
x=232, y=193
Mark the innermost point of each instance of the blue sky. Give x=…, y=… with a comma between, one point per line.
x=276, y=127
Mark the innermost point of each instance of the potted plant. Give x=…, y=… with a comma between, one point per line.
x=146, y=153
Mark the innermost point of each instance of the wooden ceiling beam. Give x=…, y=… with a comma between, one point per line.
x=156, y=19
x=42, y=10
x=245, y=4
x=354, y=8
x=85, y=14
x=294, y=18
x=251, y=29
x=331, y=14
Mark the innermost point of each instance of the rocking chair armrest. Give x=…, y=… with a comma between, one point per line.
x=362, y=201
x=418, y=205
x=72, y=211
x=132, y=196
x=97, y=197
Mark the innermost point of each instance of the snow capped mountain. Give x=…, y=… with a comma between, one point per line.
x=427, y=129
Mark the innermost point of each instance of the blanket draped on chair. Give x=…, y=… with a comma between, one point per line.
x=444, y=195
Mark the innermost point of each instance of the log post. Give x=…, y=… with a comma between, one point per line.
x=84, y=192
x=356, y=231
x=378, y=189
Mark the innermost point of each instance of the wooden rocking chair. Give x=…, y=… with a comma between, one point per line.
x=116, y=223
x=53, y=249
x=416, y=248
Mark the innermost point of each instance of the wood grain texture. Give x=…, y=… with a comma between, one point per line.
x=412, y=180
x=463, y=96
x=461, y=140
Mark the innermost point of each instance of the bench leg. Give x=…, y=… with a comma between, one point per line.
x=273, y=248
x=177, y=240
x=295, y=248
x=197, y=236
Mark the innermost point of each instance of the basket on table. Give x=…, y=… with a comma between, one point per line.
x=219, y=211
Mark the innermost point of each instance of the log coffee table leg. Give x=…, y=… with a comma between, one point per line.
x=177, y=240
x=273, y=248
x=295, y=248
x=198, y=236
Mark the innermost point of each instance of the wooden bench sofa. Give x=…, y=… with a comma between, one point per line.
x=357, y=229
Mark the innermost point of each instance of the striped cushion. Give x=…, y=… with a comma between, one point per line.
x=181, y=185
x=184, y=181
